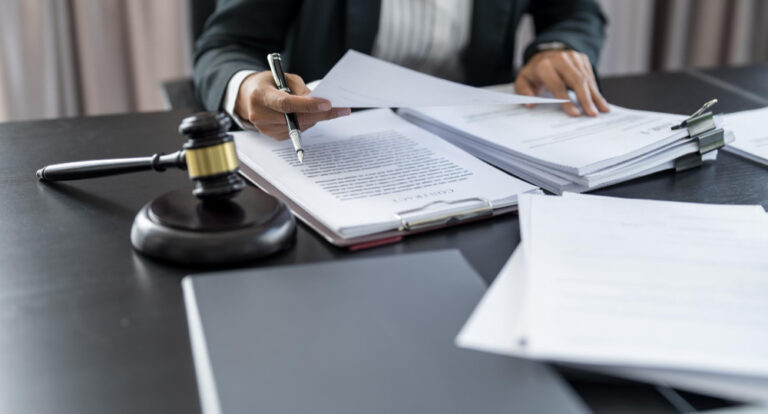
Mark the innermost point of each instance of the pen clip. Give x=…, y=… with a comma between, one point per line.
x=275, y=65
x=704, y=107
x=696, y=114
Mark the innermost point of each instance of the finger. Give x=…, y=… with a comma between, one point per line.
x=278, y=132
x=584, y=95
x=523, y=87
x=265, y=116
x=307, y=120
x=272, y=129
x=555, y=84
x=296, y=84
x=573, y=75
x=305, y=126
x=597, y=97
x=286, y=103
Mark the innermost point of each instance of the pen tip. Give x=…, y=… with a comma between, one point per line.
x=300, y=154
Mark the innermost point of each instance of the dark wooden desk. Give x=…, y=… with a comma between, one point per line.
x=89, y=326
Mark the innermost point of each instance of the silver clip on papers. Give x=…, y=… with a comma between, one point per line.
x=703, y=129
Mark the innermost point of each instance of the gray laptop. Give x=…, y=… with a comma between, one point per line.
x=355, y=336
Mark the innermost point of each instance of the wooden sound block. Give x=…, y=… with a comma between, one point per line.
x=180, y=228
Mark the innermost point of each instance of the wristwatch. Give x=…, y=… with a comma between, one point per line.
x=541, y=47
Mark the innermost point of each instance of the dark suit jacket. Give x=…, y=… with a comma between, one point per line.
x=314, y=34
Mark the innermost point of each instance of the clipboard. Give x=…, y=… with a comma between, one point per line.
x=410, y=223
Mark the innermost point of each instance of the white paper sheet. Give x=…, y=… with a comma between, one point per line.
x=497, y=323
x=496, y=326
x=751, y=133
x=360, y=170
x=632, y=282
x=502, y=320
x=362, y=81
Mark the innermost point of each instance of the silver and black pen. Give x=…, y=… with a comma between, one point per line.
x=276, y=66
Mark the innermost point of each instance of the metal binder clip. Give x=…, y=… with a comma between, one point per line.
x=700, y=121
x=452, y=216
x=703, y=129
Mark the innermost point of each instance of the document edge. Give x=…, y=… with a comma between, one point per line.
x=206, y=383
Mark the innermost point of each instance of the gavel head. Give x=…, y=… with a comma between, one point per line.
x=210, y=156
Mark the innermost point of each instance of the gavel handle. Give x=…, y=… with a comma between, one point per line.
x=99, y=168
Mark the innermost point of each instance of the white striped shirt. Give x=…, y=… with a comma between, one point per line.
x=425, y=35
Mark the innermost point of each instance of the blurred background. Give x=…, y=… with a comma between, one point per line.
x=62, y=58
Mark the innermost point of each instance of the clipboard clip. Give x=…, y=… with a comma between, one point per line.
x=456, y=211
x=702, y=129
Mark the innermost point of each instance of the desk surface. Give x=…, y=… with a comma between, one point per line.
x=89, y=326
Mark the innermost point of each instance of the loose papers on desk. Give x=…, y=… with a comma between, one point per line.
x=362, y=81
x=561, y=153
x=751, y=133
x=675, y=293
x=363, y=173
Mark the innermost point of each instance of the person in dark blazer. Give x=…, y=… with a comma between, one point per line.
x=471, y=41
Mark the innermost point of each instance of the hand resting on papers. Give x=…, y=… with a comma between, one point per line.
x=261, y=103
x=557, y=71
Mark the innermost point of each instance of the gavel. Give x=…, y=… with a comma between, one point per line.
x=222, y=222
x=208, y=155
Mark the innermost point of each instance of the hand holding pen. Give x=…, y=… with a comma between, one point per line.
x=291, y=121
x=261, y=103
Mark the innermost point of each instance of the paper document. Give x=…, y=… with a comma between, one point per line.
x=364, y=173
x=647, y=283
x=498, y=323
x=675, y=293
x=577, y=145
x=751, y=134
x=561, y=153
x=362, y=81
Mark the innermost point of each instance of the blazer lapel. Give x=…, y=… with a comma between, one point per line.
x=362, y=24
x=486, y=53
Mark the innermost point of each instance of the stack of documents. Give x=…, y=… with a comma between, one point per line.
x=543, y=146
x=675, y=293
x=546, y=147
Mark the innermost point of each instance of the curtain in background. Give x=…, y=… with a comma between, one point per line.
x=3, y=94
x=702, y=33
x=38, y=79
x=645, y=35
x=84, y=57
x=75, y=57
x=628, y=42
